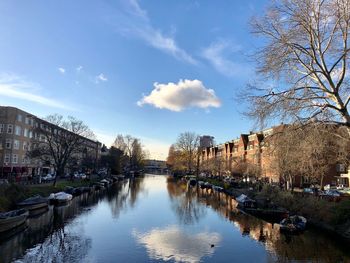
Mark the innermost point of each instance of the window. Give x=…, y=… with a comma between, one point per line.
x=9, y=128
x=8, y=144
x=18, y=130
x=25, y=146
x=15, y=144
x=7, y=158
x=30, y=134
x=26, y=120
x=14, y=158
x=19, y=117
x=26, y=132
x=2, y=128
x=340, y=168
x=25, y=159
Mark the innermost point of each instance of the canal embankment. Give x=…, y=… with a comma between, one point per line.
x=11, y=194
x=329, y=215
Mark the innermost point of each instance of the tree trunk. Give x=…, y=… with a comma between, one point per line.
x=59, y=172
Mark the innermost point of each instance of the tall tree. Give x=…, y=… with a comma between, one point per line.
x=113, y=160
x=133, y=150
x=175, y=160
x=306, y=57
x=310, y=151
x=60, y=140
x=187, y=144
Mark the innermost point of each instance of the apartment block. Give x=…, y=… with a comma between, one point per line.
x=253, y=154
x=18, y=129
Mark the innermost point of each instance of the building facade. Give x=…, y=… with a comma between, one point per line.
x=18, y=130
x=253, y=155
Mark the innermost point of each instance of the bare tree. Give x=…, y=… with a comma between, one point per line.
x=307, y=151
x=133, y=149
x=59, y=140
x=187, y=143
x=306, y=57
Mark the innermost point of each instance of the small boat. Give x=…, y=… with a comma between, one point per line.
x=275, y=214
x=105, y=182
x=98, y=186
x=32, y=203
x=60, y=198
x=218, y=188
x=245, y=202
x=12, y=219
x=192, y=182
x=293, y=224
x=207, y=185
x=74, y=191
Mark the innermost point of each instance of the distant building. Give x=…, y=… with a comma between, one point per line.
x=206, y=141
x=17, y=131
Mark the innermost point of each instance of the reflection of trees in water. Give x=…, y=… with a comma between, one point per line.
x=184, y=203
x=60, y=247
x=307, y=246
x=136, y=186
x=123, y=194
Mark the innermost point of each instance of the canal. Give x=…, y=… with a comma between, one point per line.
x=154, y=219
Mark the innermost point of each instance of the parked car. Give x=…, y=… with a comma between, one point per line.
x=328, y=187
x=311, y=190
x=79, y=176
x=48, y=178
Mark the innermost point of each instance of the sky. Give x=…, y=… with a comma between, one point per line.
x=151, y=69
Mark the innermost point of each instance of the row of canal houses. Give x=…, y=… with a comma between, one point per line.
x=251, y=154
x=248, y=150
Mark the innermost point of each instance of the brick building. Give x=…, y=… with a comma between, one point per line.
x=252, y=154
x=18, y=129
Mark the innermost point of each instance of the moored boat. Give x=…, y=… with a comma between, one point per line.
x=105, y=182
x=245, y=202
x=192, y=182
x=293, y=224
x=12, y=219
x=33, y=203
x=218, y=188
x=60, y=198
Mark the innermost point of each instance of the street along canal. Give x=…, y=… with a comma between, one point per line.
x=154, y=219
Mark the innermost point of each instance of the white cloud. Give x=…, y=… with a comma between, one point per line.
x=16, y=87
x=172, y=243
x=135, y=21
x=62, y=70
x=100, y=77
x=181, y=95
x=217, y=54
x=79, y=68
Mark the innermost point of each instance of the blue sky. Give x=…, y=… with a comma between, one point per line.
x=152, y=69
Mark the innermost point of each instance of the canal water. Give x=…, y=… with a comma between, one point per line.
x=154, y=219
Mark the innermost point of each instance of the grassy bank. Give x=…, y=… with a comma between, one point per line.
x=14, y=193
x=333, y=216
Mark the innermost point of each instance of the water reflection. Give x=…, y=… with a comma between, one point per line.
x=185, y=204
x=62, y=246
x=173, y=243
x=152, y=219
x=310, y=246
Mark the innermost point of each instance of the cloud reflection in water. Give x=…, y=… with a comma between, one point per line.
x=173, y=243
